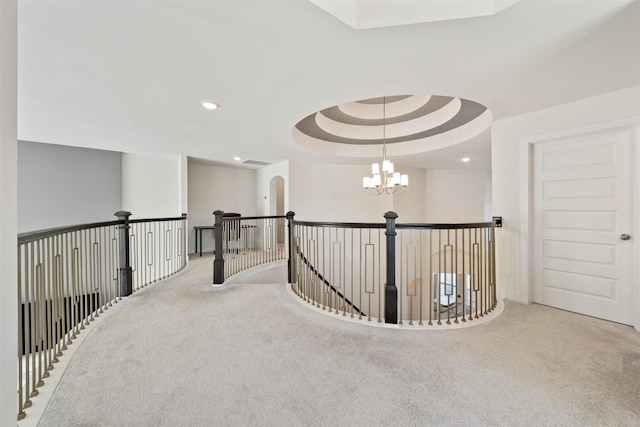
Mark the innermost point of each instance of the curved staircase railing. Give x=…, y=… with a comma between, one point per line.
x=438, y=273
x=421, y=274
x=69, y=276
x=387, y=272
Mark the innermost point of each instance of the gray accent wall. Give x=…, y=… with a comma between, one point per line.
x=60, y=185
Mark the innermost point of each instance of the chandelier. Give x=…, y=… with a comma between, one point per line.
x=388, y=181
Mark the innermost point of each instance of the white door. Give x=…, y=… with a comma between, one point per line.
x=583, y=213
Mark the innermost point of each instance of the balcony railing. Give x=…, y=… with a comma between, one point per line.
x=397, y=273
x=446, y=272
x=245, y=242
x=338, y=267
x=421, y=274
x=68, y=276
x=415, y=274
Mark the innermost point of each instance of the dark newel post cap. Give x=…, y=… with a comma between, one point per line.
x=218, y=212
x=122, y=214
x=290, y=214
x=391, y=214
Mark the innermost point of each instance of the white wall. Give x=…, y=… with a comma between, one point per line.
x=511, y=189
x=458, y=195
x=263, y=180
x=152, y=186
x=325, y=192
x=213, y=188
x=8, y=212
x=184, y=184
x=410, y=204
x=60, y=185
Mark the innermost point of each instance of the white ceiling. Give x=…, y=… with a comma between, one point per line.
x=130, y=75
x=386, y=13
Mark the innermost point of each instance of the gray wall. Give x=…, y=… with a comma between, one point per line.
x=60, y=185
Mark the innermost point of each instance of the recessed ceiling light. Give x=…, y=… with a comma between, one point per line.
x=237, y=158
x=209, y=105
x=466, y=159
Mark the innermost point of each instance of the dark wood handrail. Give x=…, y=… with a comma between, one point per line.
x=340, y=224
x=31, y=236
x=448, y=226
x=398, y=225
x=178, y=218
x=242, y=218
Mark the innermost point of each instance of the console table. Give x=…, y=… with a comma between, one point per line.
x=198, y=229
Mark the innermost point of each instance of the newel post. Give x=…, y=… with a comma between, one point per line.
x=390, y=290
x=126, y=273
x=218, y=261
x=290, y=264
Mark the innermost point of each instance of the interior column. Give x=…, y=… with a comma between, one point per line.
x=8, y=212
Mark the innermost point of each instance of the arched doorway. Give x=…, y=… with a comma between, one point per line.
x=276, y=203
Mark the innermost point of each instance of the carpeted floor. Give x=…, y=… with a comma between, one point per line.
x=182, y=353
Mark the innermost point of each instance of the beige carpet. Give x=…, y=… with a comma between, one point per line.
x=182, y=353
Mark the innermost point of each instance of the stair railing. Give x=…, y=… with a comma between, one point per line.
x=69, y=276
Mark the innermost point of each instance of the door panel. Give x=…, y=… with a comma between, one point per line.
x=579, y=283
x=583, y=202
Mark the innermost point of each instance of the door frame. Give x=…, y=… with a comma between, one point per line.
x=527, y=200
